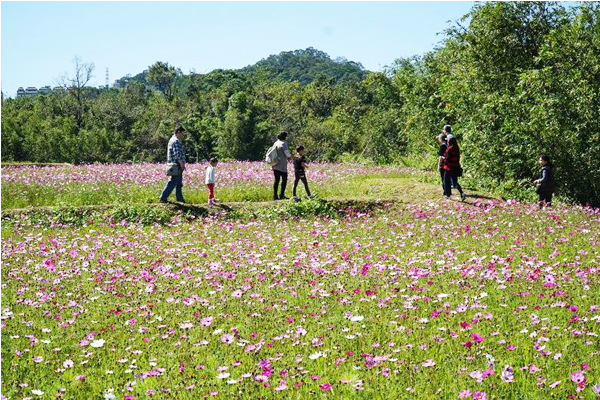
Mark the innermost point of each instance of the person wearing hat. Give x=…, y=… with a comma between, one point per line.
x=175, y=155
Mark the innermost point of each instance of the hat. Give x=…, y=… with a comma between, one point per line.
x=449, y=136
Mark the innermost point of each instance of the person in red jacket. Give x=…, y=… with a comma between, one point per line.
x=452, y=168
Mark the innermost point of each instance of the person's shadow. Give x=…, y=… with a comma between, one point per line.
x=479, y=196
x=224, y=207
x=190, y=209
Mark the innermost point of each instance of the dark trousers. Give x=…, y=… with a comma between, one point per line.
x=442, y=173
x=451, y=180
x=176, y=182
x=545, y=199
x=302, y=178
x=279, y=176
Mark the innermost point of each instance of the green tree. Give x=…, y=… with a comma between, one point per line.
x=237, y=138
x=163, y=77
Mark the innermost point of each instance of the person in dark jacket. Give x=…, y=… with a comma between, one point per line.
x=451, y=169
x=545, y=185
x=443, y=146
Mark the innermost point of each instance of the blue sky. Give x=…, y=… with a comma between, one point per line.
x=40, y=39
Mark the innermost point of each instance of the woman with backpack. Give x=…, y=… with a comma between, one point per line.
x=278, y=156
x=545, y=185
x=452, y=168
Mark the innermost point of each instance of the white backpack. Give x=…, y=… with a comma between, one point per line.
x=272, y=157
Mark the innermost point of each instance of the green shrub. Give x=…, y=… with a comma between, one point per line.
x=141, y=214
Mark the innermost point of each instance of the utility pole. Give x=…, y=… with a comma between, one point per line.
x=107, y=77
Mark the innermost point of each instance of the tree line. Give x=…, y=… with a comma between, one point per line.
x=515, y=80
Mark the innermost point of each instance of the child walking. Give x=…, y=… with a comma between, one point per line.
x=299, y=171
x=210, y=180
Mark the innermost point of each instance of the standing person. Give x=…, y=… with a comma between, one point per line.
x=300, y=173
x=443, y=146
x=280, y=169
x=545, y=185
x=175, y=155
x=210, y=180
x=452, y=168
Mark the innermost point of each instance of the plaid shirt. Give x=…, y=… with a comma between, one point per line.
x=175, y=150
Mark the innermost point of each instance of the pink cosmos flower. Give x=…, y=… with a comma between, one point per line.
x=325, y=386
x=206, y=321
x=227, y=338
x=80, y=377
x=131, y=321
x=578, y=377
x=480, y=396
x=477, y=337
x=507, y=374
x=465, y=393
x=237, y=293
x=428, y=363
x=38, y=359
x=477, y=375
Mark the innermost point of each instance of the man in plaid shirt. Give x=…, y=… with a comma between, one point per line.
x=175, y=154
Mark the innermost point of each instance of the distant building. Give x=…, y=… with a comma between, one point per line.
x=33, y=91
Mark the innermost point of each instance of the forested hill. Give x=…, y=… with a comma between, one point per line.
x=302, y=66
x=307, y=65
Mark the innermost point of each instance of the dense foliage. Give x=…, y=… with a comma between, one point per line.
x=514, y=79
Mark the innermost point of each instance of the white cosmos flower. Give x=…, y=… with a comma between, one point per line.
x=98, y=343
x=357, y=318
x=109, y=395
x=37, y=392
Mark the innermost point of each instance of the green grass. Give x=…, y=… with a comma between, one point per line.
x=403, y=186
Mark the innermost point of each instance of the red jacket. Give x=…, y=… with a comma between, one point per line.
x=452, y=159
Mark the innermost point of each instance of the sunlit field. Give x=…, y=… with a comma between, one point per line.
x=439, y=300
x=94, y=184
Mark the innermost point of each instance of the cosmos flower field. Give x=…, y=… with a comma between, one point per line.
x=94, y=184
x=439, y=300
